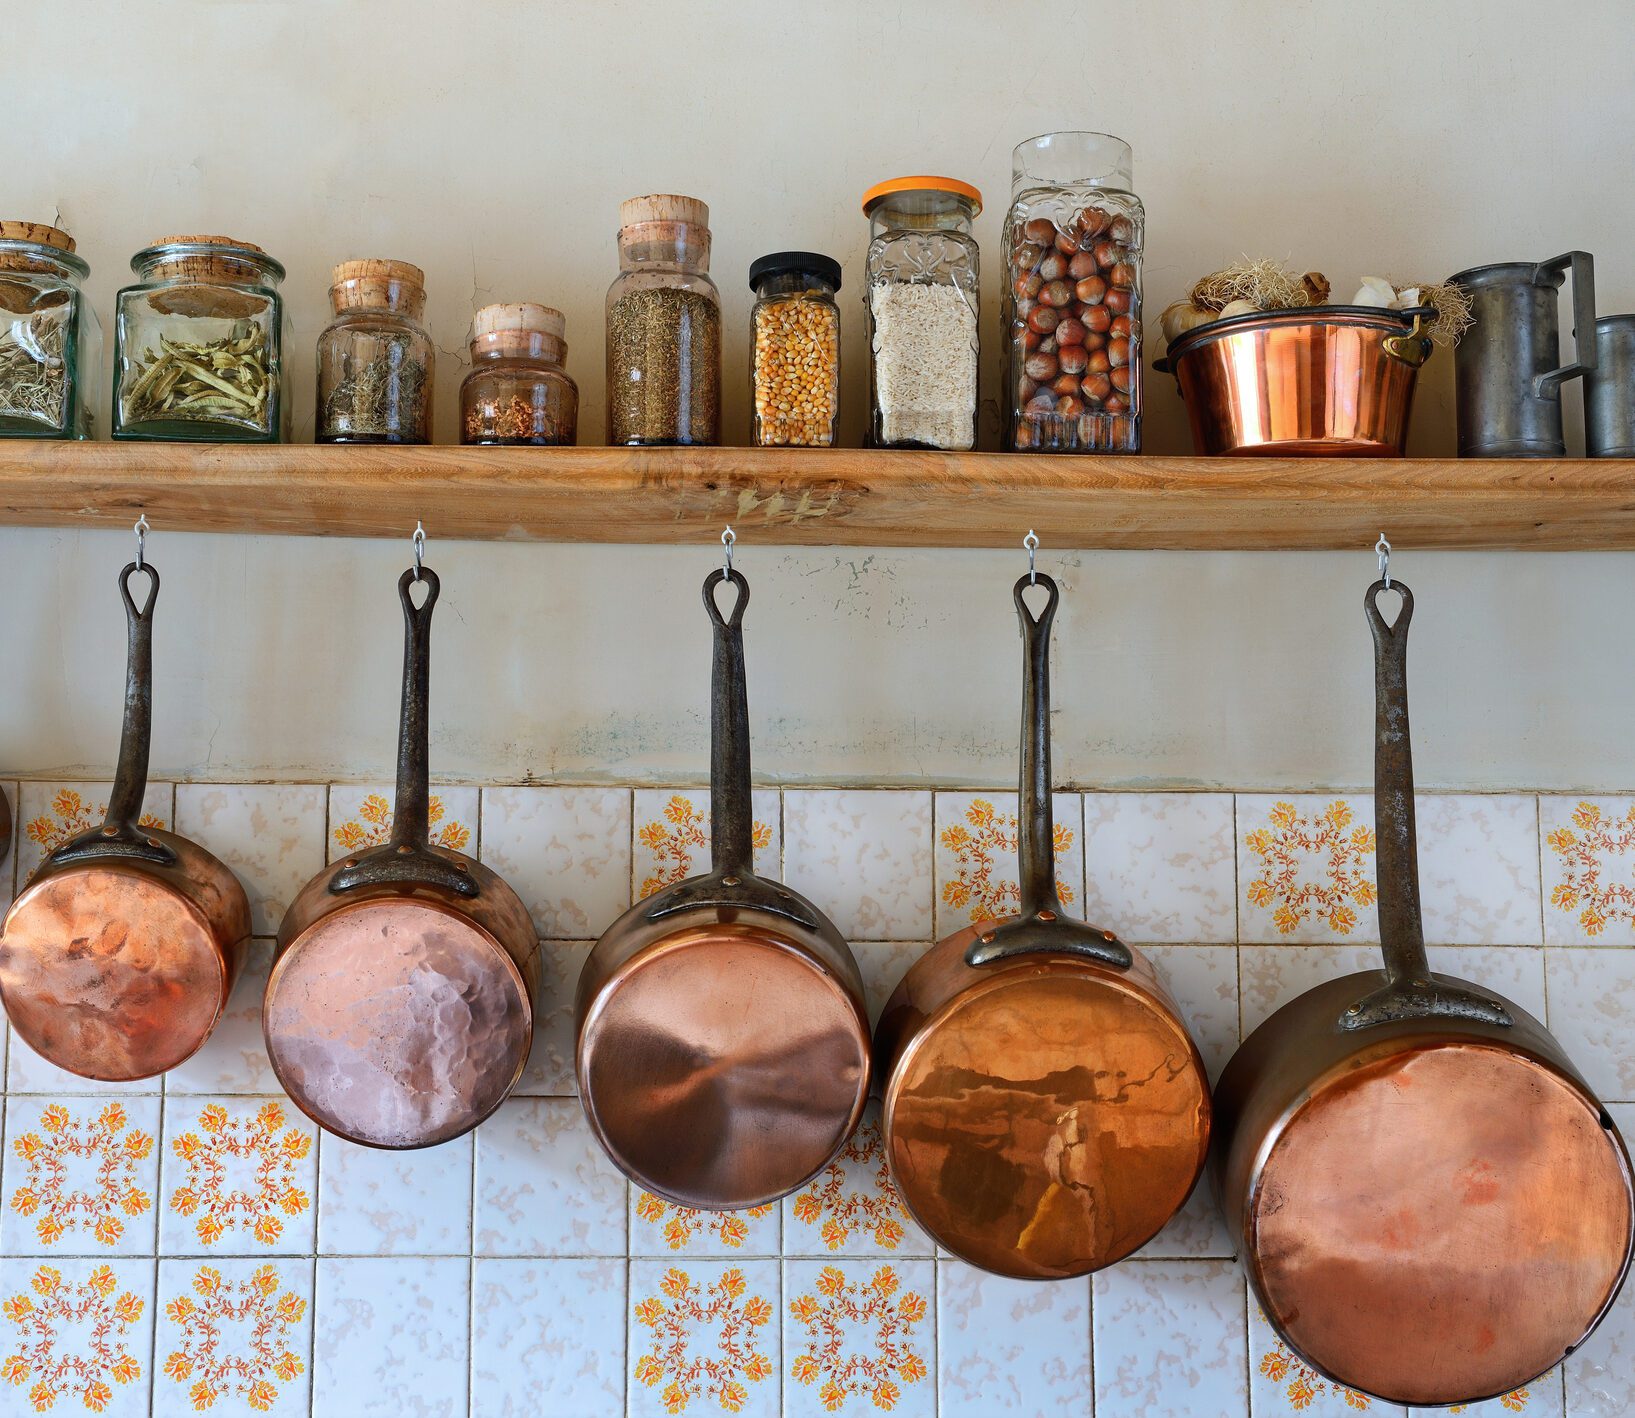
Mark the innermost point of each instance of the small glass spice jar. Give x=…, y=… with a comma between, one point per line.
x=375, y=359
x=198, y=344
x=518, y=394
x=922, y=299
x=50, y=342
x=663, y=327
x=794, y=366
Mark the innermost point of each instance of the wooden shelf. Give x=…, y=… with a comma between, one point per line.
x=837, y=497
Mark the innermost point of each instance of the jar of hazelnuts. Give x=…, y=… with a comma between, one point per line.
x=1072, y=306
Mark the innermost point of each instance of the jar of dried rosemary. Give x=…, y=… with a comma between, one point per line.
x=518, y=394
x=198, y=344
x=50, y=341
x=664, y=327
x=375, y=359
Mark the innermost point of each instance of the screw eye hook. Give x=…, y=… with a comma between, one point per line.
x=141, y=529
x=419, y=547
x=729, y=539
x=1031, y=542
x=1382, y=549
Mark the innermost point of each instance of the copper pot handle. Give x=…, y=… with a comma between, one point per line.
x=1414, y=347
x=1411, y=991
x=1041, y=927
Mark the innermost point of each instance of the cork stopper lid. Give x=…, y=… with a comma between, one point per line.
x=202, y=265
x=664, y=207
x=36, y=234
x=375, y=284
x=525, y=316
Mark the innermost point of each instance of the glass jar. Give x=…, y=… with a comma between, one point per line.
x=922, y=298
x=663, y=327
x=375, y=360
x=50, y=342
x=517, y=394
x=1072, y=307
x=198, y=342
x=794, y=366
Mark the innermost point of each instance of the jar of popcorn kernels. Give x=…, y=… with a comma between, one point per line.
x=794, y=365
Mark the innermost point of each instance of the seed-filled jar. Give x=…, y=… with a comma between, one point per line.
x=50, y=341
x=663, y=327
x=1073, y=296
x=198, y=344
x=375, y=359
x=517, y=393
x=922, y=300
x=794, y=369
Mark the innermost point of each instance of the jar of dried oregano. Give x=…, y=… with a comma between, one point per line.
x=794, y=365
x=198, y=342
x=50, y=341
x=375, y=358
x=664, y=327
x=518, y=394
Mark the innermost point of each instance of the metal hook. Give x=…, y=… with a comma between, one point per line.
x=142, y=529
x=729, y=539
x=419, y=547
x=1382, y=549
x=1031, y=542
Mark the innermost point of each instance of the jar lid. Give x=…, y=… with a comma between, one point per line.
x=664, y=207
x=374, y=284
x=38, y=233
x=53, y=253
x=951, y=185
x=801, y=263
x=524, y=315
x=230, y=258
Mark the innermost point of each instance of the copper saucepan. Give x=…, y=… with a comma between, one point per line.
x=1045, y=1109
x=1432, y=1205
x=723, y=1040
x=399, y=1012
x=118, y=958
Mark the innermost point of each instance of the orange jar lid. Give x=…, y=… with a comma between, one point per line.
x=922, y=184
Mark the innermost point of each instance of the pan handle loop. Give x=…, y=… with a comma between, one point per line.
x=732, y=825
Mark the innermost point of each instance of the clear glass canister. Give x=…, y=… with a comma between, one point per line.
x=1072, y=307
x=922, y=297
x=518, y=394
x=50, y=342
x=663, y=327
x=794, y=366
x=198, y=344
x=375, y=359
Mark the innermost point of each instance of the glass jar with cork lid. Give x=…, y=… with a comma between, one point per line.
x=518, y=394
x=663, y=327
x=375, y=359
x=198, y=344
x=794, y=364
x=50, y=341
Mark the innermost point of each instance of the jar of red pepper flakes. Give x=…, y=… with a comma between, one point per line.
x=1072, y=305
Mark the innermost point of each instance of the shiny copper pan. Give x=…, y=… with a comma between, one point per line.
x=1045, y=1109
x=723, y=1041
x=1432, y=1205
x=400, y=1008
x=118, y=958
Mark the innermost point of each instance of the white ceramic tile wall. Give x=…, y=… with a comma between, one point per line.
x=196, y=1245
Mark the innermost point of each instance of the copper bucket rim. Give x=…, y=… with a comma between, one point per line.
x=1351, y=317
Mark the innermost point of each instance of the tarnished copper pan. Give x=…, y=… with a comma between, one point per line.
x=1045, y=1109
x=723, y=1041
x=1433, y=1206
x=400, y=1008
x=117, y=959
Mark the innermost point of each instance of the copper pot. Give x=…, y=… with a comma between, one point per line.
x=400, y=1008
x=1433, y=1206
x=1336, y=380
x=117, y=959
x=722, y=1036
x=1045, y=1109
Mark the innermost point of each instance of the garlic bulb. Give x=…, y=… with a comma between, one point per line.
x=1376, y=291
x=1181, y=316
x=1408, y=298
x=1239, y=307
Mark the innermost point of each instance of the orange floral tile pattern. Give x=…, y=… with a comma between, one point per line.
x=684, y=829
x=890, y=1317
x=273, y=1154
x=1347, y=850
x=978, y=843
x=1512, y=1402
x=1302, y=1385
x=207, y=1366
x=840, y=1210
x=682, y=1223
x=38, y=1358
x=70, y=815
x=1583, y=848
x=101, y=1209
x=373, y=826
x=672, y=1357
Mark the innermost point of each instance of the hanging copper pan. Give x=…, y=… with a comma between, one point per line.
x=118, y=958
x=723, y=1041
x=400, y=1008
x=1045, y=1109
x=1433, y=1206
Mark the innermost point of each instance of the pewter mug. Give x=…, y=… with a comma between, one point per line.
x=1609, y=390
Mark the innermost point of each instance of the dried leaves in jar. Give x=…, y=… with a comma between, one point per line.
x=33, y=370
x=664, y=368
x=382, y=397
x=214, y=381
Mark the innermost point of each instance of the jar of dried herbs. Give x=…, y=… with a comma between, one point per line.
x=375, y=359
x=664, y=327
x=50, y=342
x=518, y=394
x=198, y=344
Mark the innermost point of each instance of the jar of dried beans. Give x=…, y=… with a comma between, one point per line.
x=663, y=327
x=375, y=359
x=50, y=341
x=198, y=344
x=1072, y=306
x=794, y=366
x=922, y=301
x=517, y=393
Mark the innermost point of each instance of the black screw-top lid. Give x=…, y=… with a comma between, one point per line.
x=806, y=263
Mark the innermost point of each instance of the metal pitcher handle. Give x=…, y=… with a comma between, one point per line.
x=1582, y=267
